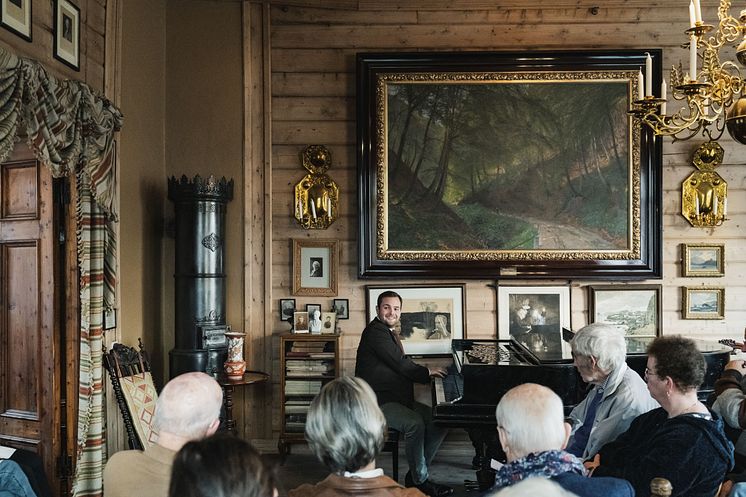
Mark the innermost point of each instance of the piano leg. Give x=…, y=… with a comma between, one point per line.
x=486, y=447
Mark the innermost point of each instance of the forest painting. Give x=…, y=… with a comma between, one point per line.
x=507, y=165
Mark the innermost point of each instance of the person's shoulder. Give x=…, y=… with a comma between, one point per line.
x=602, y=485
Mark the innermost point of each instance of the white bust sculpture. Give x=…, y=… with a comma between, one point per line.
x=314, y=325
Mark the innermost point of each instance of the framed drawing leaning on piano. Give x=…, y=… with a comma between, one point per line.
x=431, y=316
x=534, y=316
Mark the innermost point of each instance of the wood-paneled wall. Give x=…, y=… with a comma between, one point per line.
x=310, y=95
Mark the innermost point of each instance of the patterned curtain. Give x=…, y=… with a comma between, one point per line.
x=71, y=130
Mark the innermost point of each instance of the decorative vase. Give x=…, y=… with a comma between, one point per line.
x=235, y=366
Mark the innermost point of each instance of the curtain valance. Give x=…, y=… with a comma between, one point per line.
x=66, y=123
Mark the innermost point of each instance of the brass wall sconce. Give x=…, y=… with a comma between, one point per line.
x=316, y=195
x=704, y=194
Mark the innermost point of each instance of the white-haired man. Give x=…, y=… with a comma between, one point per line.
x=188, y=408
x=618, y=394
x=532, y=433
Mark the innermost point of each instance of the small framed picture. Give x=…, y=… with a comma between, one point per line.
x=702, y=259
x=634, y=309
x=328, y=322
x=15, y=16
x=703, y=302
x=287, y=308
x=67, y=33
x=313, y=307
x=534, y=316
x=315, y=264
x=342, y=308
x=300, y=322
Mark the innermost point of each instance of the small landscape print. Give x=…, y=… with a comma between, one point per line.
x=704, y=303
x=635, y=310
x=703, y=259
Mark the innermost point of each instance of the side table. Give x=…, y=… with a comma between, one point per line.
x=228, y=385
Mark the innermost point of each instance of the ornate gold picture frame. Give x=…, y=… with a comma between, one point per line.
x=703, y=302
x=517, y=165
x=702, y=259
x=315, y=267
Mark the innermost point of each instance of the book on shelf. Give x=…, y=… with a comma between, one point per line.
x=308, y=346
x=302, y=387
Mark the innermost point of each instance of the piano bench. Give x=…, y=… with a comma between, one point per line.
x=392, y=444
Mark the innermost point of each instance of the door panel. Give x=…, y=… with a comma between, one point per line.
x=29, y=369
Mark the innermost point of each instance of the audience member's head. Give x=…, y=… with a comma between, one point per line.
x=345, y=427
x=530, y=419
x=600, y=345
x=220, y=466
x=678, y=358
x=188, y=408
x=534, y=487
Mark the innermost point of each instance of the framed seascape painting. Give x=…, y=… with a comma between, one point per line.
x=702, y=259
x=634, y=309
x=431, y=315
x=315, y=265
x=703, y=302
x=520, y=165
x=534, y=316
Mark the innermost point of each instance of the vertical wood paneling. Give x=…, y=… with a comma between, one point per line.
x=312, y=59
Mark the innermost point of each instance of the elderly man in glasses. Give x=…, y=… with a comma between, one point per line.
x=617, y=395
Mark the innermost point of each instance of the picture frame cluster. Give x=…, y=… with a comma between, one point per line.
x=313, y=319
x=703, y=260
x=16, y=17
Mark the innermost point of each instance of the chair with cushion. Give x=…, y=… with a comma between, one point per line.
x=129, y=370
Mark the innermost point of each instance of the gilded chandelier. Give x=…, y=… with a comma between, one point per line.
x=713, y=94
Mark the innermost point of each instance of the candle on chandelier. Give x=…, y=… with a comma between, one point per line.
x=300, y=210
x=329, y=206
x=648, y=75
x=714, y=204
x=664, y=96
x=692, y=15
x=313, y=208
x=640, y=91
x=693, y=58
x=697, y=12
x=725, y=206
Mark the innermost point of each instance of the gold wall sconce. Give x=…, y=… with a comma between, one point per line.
x=316, y=195
x=704, y=194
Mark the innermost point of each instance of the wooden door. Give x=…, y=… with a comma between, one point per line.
x=31, y=342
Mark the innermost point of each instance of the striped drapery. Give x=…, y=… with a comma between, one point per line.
x=71, y=131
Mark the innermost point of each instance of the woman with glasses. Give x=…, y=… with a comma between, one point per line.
x=682, y=441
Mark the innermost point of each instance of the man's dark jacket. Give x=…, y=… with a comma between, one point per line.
x=382, y=363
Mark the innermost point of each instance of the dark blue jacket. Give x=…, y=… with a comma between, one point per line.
x=689, y=451
x=583, y=486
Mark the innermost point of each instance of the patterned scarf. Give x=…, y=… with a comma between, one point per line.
x=545, y=464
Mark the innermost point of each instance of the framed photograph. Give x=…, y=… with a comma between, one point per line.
x=300, y=322
x=328, y=322
x=342, y=308
x=287, y=308
x=534, y=316
x=634, y=309
x=313, y=307
x=703, y=302
x=315, y=266
x=15, y=16
x=527, y=162
x=67, y=33
x=431, y=315
x=702, y=259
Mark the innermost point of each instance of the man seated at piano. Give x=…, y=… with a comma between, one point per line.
x=382, y=363
x=681, y=441
x=617, y=395
x=532, y=434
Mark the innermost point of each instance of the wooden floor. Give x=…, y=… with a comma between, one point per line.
x=451, y=467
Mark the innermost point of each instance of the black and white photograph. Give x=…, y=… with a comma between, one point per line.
x=300, y=322
x=67, y=33
x=342, y=308
x=287, y=308
x=317, y=267
x=534, y=316
x=328, y=322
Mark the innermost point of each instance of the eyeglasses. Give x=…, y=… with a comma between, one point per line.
x=649, y=372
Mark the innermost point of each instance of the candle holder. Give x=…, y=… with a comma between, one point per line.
x=316, y=195
x=704, y=194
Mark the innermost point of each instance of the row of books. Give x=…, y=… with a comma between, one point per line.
x=300, y=369
x=302, y=387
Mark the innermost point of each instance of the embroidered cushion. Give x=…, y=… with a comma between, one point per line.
x=140, y=396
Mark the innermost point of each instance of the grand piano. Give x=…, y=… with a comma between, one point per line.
x=484, y=370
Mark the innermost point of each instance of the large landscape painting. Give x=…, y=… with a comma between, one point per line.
x=505, y=165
